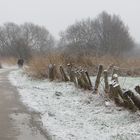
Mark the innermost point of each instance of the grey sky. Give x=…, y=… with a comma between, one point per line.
x=56, y=15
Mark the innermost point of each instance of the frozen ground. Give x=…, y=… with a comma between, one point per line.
x=68, y=113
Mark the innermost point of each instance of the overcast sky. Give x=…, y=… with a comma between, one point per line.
x=56, y=15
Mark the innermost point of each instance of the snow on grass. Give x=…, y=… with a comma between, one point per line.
x=68, y=113
x=7, y=68
x=3, y=70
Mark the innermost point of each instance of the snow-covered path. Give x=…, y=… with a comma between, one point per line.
x=68, y=113
x=16, y=122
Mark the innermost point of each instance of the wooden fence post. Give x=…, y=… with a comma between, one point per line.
x=79, y=80
x=113, y=94
x=106, y=81
x=97, y=82
x=51, y=72
x=64, y=76
x=115, y=71
x=119, y=96
x=85, y=80
x=89, y=81
x=135, y=98
x=70, y=73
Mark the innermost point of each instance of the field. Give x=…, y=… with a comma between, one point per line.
x=68, y=113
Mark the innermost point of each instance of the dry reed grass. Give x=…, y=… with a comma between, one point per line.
x=38, y=65
x=8, y=61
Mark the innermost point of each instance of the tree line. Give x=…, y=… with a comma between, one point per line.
x=24, y=40
x=104, y=35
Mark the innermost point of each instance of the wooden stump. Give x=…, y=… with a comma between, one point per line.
x=86, y=84
x=114, y=94
x=63, y=74
x=75, y=79
x=115, y=77
x=55, y=72
x=120, y=98
x=89, y=81
x=97, y=82
x=70, y=73
x=106, y=82
x=51, y=72
x=134, y=97
x=79, y=80
x=115, y=71
x=128, y=103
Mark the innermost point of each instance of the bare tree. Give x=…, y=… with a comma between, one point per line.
x=79, y=38
x=106, y=34
x=9, y=34
x=23, y=40
x=112, y=35
x=38, y=38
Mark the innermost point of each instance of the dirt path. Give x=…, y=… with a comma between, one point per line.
x=16, y=122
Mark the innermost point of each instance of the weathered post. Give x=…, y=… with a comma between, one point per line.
x=85, y=80
x=70, y=72
x=134, y=98
x=113, y=94
x=51, y=72
x=55, y=72
x=75, y=79
x=127, y=101
x=97, y=82
x=115, y=71
x=89, y=81
x=64, y=76
x=119, y=96
x=106, y=81
x=79, y=80
x=115, y=77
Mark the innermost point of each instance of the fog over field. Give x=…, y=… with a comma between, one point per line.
x=57, y=15
x=70, y=69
